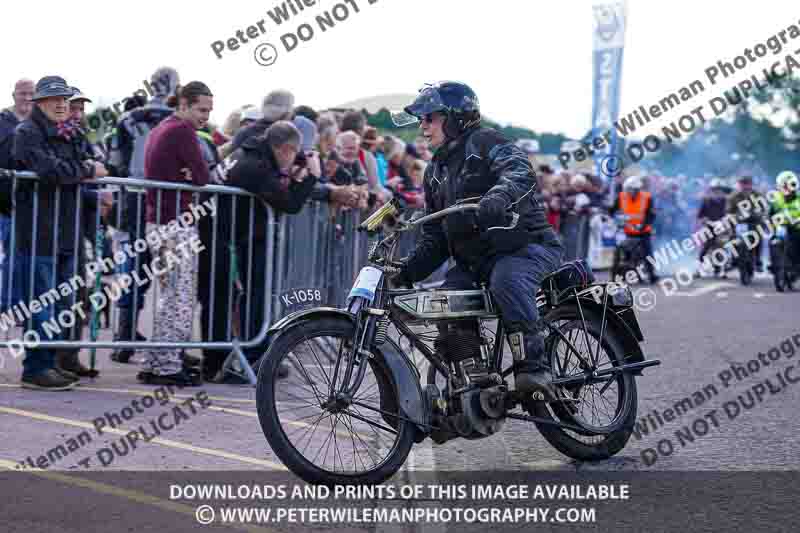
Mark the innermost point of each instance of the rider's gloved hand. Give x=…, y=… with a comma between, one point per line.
x=492, y=212
x=397, y=275
x=400, y=280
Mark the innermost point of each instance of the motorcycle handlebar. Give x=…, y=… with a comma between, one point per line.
x=459, y=209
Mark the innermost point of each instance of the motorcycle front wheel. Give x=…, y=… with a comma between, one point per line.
x=326, y=439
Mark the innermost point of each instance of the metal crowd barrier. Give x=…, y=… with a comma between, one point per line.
x=575, y=232
x=308, y=259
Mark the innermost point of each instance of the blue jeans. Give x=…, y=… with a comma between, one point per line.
x=38, y=360
x=5, y=271
x=513, y=282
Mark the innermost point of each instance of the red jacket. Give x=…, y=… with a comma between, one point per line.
x=171, y=147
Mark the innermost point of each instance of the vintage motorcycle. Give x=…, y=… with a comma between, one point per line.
x=630, y=251
x=744, y=258
x=355, y=403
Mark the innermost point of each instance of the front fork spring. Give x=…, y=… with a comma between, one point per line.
x=381, y=330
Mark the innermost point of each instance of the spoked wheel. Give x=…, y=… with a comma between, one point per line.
x=323, y=438
x=603, y=408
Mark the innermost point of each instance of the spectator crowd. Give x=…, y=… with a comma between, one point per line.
x=283, y=153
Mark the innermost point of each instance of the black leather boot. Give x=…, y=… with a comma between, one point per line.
x=127, y=329
x=68, y=360
x=532, y=374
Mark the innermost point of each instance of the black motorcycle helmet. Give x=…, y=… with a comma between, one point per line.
x=456, y=100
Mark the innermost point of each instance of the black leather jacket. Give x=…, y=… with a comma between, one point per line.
x=59, y=163
x=481, y=162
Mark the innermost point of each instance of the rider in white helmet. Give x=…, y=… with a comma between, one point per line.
x=633, y=184
x=640, y=208
x=784, y=209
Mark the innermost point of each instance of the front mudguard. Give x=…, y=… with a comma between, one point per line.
x=395, y=363
x=392, y=368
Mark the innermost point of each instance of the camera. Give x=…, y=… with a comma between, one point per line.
x=301, y=160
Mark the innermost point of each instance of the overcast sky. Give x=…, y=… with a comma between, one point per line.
x=530, y=62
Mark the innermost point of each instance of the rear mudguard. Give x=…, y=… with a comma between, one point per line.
x=392, y=366
x=620, y=321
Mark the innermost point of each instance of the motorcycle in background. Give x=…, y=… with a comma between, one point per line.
x=742, y=258
x=630, y=251
x=784, y=272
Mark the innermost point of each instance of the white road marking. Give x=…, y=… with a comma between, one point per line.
x=134, y=496
x=704, y=290
x=547, y=464
x=158, y=440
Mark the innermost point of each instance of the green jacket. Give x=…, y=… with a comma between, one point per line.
x=732, y=206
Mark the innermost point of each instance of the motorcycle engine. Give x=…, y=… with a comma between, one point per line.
x=480, y=413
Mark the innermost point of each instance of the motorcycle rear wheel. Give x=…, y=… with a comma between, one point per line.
x=586, y=445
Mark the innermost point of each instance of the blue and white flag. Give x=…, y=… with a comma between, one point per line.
x=609, y=42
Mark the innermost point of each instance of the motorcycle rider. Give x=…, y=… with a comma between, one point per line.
x=712, y=208
x=788, y=203
x=639, y=206
x=752, y=218
x=473, y=161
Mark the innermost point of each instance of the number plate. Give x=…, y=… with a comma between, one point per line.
x=301, y=297
x=742, y=228
x=366, y=283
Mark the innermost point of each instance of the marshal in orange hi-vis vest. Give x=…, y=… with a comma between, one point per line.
x=636, y=210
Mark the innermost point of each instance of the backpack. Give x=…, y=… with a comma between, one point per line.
x=126, y=149
x=127, y=144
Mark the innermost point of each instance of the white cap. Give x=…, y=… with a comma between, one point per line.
x=529, y=146
x=579, y=180
x=634, y=182
x=251, y=113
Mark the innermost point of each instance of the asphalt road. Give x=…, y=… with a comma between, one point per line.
x=698, y=333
